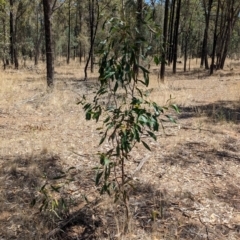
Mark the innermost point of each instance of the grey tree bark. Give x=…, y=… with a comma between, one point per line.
x=47, y=9
x=164, y=47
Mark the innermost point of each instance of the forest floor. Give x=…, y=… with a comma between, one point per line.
x=189, y=187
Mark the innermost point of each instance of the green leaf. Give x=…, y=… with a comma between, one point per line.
x=156, y=60
x=98, y=177
x=106, y=161
x=115, y=87
x=146, y=78
x=59, y=177
x=152, y=135
x=175, y=107
x=136, y=133
x=155, y=126
x=108, y=75
x=146, y=146
x=103, y=138
x=102, y=91
x=140, y=92
x=143, y=69
x=106, y=119
x=43, y=187
x=171, y=119
x=88, y=115
x=56, y=189
x=143, y=120
x=104, y=23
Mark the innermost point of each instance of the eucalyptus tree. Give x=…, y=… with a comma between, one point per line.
x=94, y=15
x=173, y=35
x=16, y=12
x=47, y=9
x=39, y=28
x=3, y=33
x=175, y=39
x=164, y=46
x=190, y=29
x=207, y=8
x=229, y=14
x=49, y=6
x=171, y=30
x=69, y=32
x=215, y=38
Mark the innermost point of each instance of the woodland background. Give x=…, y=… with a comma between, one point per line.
x=73, y=30
x=187, y=187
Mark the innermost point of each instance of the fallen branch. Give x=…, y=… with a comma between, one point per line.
x=140, y=165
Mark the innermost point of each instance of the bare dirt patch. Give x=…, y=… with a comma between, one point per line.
x=189, y=187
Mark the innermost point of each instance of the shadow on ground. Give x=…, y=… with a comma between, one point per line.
x=157, y=213
x=215, y=112
x=21, y=178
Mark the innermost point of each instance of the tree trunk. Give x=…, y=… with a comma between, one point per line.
x=80, y=31
x=93, y=31
x=11, y=28
x=229, y=15
x=75, y=35
x=204, y=56
x=48, y=42
x=5, y=59
x=185, y=51
x=15, y=47
x=69, y=31
x=92, y=35
x=139, y=28
x=214, y=40
x=38, y=41
x=165, y=34
x=170, y=38
x=175, y=43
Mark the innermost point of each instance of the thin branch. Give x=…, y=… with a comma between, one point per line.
x=54, y=7
x=206, y=228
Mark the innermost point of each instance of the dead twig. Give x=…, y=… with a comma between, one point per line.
x=206, y=228
x=140, y=165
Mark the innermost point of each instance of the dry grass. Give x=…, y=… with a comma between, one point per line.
x=188, y=189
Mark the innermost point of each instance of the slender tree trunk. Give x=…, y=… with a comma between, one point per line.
x=139, y=28
x=93, y=32
x=69, y=31
x=48, y=42
x=232, y=18
x=164, y=48
x=38, y=41
x=92, y=35
x=75, y=34
x=214, y=40
x=15, y=52
x=36, y=52
x=5, y=59
x=175, y=44
x=171, y=24
x=185, y=51
x=204, y=56
x=80, y=31
x=11, y=28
